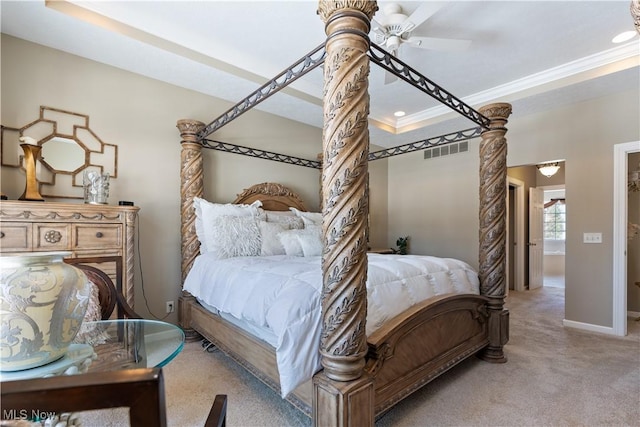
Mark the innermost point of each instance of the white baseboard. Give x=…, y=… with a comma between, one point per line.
x=588, y=327
x=633, y=314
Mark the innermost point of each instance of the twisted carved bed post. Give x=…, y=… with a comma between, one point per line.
x=191, y=185
x=343, y=393
x=493, y=226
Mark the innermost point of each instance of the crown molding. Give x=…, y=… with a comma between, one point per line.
x=533, y=83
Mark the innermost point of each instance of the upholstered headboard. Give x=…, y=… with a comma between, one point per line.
x=274, y=197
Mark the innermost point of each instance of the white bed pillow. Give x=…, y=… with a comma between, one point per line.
x=306, y=242
x=235, y=236
x=290, y=242
x=271, y=244
x=207, y=212
x=287, y=218
x=311, y=240
x=308, y=218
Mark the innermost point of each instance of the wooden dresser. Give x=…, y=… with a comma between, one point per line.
x=84, y=230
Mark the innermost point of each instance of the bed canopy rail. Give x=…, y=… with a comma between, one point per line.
x=301, y=67
x=436, y=141
x=316, y=58
x=422, y=144
x=412, y=76
x=260, y=154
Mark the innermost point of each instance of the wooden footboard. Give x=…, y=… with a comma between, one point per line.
x=405, y=354
x=423, y=342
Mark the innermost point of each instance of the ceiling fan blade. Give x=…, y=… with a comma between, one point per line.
x=380, y=19
x=434, y=43
x=424, y=12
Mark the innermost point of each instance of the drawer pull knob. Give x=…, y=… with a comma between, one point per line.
x=1, y=234
x=99, y=234
x=52, y=236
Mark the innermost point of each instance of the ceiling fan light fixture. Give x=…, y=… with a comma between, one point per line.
x=393, y=43
x=548, y=169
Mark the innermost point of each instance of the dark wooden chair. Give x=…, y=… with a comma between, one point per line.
x=218, y=413
x=109, y=294
x=140, y=390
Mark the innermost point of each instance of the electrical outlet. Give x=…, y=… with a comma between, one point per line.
x=170, y=307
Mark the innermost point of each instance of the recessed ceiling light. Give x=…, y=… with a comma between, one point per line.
x=399, y=113
x=623, y=37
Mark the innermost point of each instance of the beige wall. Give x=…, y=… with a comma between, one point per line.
x=436, y=202
x=139, y=115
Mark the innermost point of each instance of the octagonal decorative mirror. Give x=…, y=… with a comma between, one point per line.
x=69, y=147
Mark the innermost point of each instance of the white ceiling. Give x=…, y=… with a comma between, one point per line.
x=533, y=54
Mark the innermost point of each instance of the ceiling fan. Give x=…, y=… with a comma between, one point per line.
x=394, y=28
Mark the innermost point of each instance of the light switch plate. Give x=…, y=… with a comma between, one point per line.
x=592, y=238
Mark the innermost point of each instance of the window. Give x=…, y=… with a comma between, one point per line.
x=555, y=220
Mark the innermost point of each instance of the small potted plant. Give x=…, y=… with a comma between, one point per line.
x=403, y=246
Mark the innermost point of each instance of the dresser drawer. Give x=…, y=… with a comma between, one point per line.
x=15, y=237
x=51, y=236
x=97, y=236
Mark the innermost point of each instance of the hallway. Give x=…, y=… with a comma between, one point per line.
x=553, y=281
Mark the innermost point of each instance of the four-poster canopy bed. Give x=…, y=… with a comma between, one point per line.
x=362, y=375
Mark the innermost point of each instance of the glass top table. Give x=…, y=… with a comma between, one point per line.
x=109, y=345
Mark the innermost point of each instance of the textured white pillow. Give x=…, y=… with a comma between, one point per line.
x=290, y=242
x=305, y=242
x=309, y=218
x=287, y=218
x=311, y=240
x=207, y=212
x=271, y=244
x=235, y=236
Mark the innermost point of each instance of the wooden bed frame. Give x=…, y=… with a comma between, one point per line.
x=362, y=377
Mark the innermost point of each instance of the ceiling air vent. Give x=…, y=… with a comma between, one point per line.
x=445, y=150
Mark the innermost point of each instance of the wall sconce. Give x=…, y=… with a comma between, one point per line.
x=548, y=169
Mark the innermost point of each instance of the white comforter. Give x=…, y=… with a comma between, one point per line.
x=282, y=293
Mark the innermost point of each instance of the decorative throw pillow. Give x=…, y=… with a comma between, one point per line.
x=309, y=218
x=290, y=242
x=271, y=244
x=235, y=236
x=287, y=218
x=207, y=212
x=311, y=240
x=305, y=242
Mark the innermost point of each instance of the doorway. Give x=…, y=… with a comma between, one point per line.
x=516, y=238
x=554, y=236
x=521, y=181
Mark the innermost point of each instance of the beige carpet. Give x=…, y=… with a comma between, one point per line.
x=554, y=377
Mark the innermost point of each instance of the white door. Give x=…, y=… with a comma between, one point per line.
x=536, y=242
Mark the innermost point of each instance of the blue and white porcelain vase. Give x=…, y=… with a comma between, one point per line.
x=43, y=302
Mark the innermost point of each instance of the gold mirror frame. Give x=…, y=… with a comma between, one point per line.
x=55, y=125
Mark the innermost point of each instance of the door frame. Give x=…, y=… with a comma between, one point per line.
x=518, y=216
x=536, y=237
x=620, y=174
